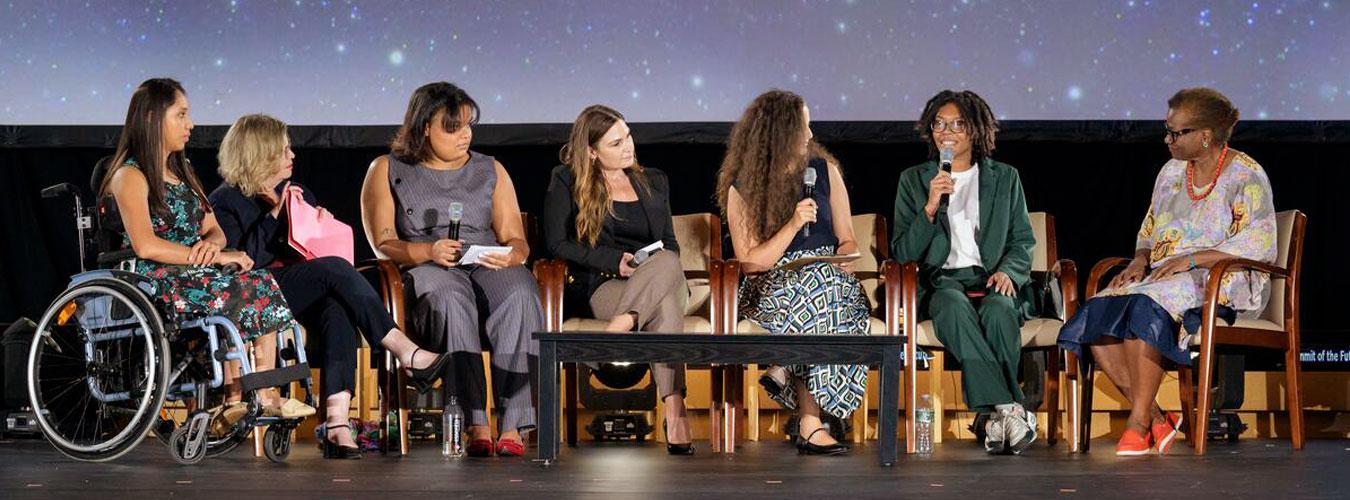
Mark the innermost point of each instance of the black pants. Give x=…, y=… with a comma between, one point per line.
x=331, y=300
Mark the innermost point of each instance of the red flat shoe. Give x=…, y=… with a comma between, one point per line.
x=1165, y=434
x=480, y=448
x=1132, y=444
x=509, y=448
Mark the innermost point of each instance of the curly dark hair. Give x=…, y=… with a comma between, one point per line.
x=764, y=161
x=981, y=126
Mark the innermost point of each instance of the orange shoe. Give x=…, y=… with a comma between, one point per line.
x=1132, y=443
x=1165, y=434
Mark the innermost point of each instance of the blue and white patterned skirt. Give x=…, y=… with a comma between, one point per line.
x=817, y=299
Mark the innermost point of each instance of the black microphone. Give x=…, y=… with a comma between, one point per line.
x=945, y=161
x=809, y=186
x=456, y=213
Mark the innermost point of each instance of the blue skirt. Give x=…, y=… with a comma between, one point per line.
x=1130, y=317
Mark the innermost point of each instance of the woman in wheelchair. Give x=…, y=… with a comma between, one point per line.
x=327, y=294
x=177, y=243
x=404, y=203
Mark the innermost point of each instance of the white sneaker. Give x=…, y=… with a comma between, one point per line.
x=995, y=434
x=1020, y=425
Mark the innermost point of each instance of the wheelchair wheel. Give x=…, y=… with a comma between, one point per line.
x=277, y=443
x=98, y=370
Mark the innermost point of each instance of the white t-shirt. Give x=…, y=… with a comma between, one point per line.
x=963, y=216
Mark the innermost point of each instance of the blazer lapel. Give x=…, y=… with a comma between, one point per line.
x=988, y=198
x=650, y=205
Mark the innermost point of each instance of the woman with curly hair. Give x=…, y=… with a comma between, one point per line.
x=773, y=222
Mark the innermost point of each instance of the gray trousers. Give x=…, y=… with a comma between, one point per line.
x=504, y=306
x=658, y=293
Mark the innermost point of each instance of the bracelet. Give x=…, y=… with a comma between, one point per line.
x=1193, y=266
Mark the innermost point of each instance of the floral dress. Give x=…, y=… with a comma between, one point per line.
x=1236, y=218
x=251, y=300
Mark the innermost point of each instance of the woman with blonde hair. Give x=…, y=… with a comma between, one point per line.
x=601, y=208
x=326, y=294
x=773, y=222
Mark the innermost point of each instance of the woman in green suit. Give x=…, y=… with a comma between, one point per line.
x=969, y=231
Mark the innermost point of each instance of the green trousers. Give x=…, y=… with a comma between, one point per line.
x=985, y=335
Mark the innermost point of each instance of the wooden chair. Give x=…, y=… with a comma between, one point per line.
x=1038, y=334
x=1277, y=327
x=875, y=271
x=387, y=278
x=699, y=236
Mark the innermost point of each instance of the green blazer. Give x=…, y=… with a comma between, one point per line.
x=1006, y=238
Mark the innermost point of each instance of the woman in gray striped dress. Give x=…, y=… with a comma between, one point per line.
x=404, y=206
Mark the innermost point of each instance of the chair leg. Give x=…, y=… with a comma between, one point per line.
x=911, y=399
x=1186, y=391
x=1086, y=379
x=731, y=408
x=400, y=390
x=571, y=385
x=860, y=420
x=752, y=403
x=1204, y=402
x=1052, y=396
x=716, y=423
x=936, y=368
x=1294, y=397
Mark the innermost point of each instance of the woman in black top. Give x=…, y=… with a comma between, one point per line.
x=327, y=295
x=602, y=207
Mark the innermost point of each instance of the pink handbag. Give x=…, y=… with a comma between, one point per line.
x=314, y=232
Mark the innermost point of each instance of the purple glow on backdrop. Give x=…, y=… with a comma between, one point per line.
x=355, y=62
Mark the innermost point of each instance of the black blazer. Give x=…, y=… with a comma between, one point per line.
x=589, y=267
x=248, y=225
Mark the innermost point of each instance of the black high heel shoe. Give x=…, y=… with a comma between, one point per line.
x=805, y=447
x=675, y=449
x=425, y=378
x=334, y=451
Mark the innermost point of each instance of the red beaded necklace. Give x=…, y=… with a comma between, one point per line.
x=1190, y=177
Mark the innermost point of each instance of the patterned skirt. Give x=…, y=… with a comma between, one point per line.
x=251, y=300
x=817, y=299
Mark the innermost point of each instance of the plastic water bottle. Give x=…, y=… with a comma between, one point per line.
x=452, y=429
x=923, y=425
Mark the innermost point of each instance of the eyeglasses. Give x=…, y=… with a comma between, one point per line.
x=1173, y=135
x=955, y=126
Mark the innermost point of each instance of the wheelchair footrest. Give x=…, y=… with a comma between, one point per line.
x=274, y=378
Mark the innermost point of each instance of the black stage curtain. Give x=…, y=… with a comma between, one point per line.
x=1094, y=177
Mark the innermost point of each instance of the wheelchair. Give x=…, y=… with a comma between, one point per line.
x=108, y=366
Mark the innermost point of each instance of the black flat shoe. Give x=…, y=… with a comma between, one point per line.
x=425, y=378
x=334, y=451
x=676, y=449
x=805, y=447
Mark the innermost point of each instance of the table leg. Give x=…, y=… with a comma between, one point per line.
x=890, y=404
x=548, y=401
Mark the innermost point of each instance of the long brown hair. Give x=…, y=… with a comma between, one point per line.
x=589, y=191
x=764, y=161
x=142, y=141
x=410, y=144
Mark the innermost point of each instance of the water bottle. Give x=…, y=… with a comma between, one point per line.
x=452, y=429
x=923, y=425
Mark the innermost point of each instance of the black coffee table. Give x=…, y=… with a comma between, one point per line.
x=642, y=347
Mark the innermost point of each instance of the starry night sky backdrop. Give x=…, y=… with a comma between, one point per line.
x=341, y=62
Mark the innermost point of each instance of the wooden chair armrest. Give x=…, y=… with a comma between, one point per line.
x=1099, y=272
x=730, y=289
x=390, y=287
x=1066, y=271
x=1210, y=304
x=551, y=275
x=892, y=277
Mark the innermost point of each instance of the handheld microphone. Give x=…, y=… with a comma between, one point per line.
x=945, y=161
x=456, y=213
x=809, y=186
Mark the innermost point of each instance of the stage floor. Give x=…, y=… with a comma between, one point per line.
x=1251, y=469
